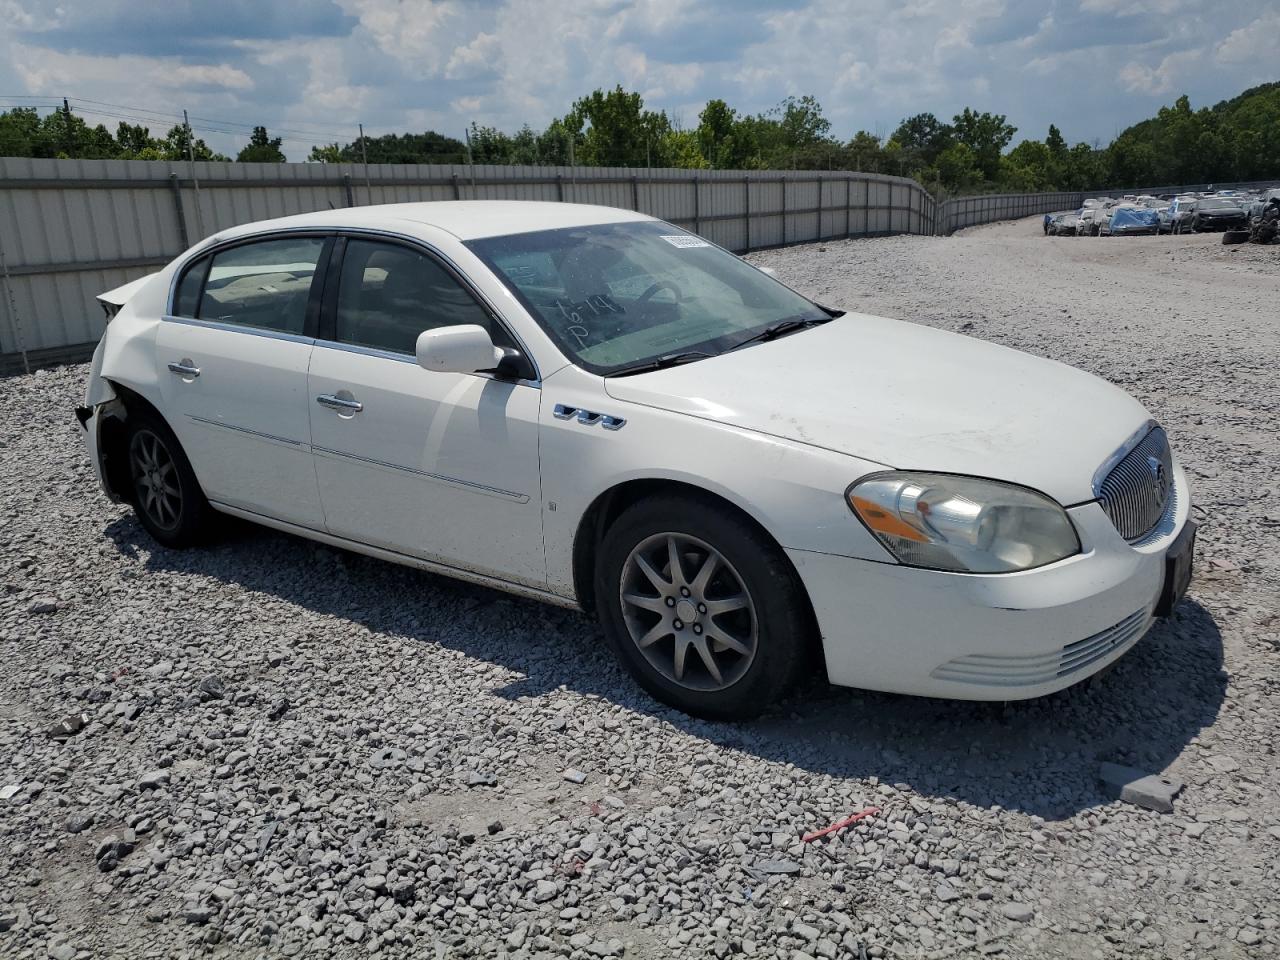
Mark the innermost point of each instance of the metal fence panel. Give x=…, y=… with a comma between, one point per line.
x=72, y=228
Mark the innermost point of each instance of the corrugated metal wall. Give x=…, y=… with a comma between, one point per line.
x=70, y=229
x=969, y=211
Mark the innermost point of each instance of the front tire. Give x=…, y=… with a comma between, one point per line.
x=701, y=608
x=166, y=496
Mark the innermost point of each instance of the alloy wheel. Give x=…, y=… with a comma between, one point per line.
x=155, y=479
x=698, y=631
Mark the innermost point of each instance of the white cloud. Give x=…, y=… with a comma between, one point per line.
x=50, y=72
x=1251, y=43
x=475, y=58
x=414, y=33
x=1129, y=7
x=1163, y=77
x=1089, y=66
x=206, y=75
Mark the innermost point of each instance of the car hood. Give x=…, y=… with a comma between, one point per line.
x=910, y=397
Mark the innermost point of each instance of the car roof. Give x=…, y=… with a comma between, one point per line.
x=465, y=219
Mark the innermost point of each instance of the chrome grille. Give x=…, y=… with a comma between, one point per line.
x=1138, y=490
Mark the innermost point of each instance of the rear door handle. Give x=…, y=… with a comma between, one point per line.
x=184, y=368
x=339, y=403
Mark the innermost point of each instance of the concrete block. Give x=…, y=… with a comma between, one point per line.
x=1149, y=790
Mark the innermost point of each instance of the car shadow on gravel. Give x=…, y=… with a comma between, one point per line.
x=1038, y=756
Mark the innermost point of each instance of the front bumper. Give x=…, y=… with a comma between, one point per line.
x=991, y=637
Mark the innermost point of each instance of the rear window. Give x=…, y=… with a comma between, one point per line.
x=264, y=284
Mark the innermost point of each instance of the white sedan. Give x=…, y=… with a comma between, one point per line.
x=598, y=409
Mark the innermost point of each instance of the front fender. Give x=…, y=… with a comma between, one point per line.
x=794, y=491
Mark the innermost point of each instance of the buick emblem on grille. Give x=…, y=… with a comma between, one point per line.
x=1159, y=479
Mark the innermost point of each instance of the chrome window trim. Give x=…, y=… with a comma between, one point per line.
x=252, y=433
x=239, y=328
x=214, y=245
x=1120, y=453
x=217, y=245
x=451, y=481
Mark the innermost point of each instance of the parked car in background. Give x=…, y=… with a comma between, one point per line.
x=1064, y=225
x=1091, y=220
x=591, y=407
x=1217, y=213
x=1132, y=221
x=1180, y=213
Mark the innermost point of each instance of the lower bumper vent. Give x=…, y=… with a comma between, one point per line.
x=1029, y=671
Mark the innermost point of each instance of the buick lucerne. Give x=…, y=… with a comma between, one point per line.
x=598, y=409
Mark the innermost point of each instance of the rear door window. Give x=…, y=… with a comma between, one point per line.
x=265, y=284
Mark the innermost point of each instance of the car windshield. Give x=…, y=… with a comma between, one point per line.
x=616, y=295
x=1214, y=203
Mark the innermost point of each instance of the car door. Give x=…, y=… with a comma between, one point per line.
x=442, y=466
x=233, y=356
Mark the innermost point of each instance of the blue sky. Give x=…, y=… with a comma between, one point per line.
x=313, y=69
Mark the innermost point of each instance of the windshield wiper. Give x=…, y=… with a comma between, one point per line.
x=661, y=363
x=781, y=328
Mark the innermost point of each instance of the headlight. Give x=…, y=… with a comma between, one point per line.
x=962, y=523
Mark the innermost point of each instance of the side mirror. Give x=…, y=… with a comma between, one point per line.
x=464, y=348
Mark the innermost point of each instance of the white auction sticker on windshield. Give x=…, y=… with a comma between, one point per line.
x=684, y=240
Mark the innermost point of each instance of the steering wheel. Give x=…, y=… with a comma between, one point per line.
x=660, y=285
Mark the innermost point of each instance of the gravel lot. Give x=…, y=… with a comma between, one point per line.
x=290, y=750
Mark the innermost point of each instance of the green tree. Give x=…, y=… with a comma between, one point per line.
x=722, y=137
x=329, y=153
x=986, y=135
x=489, y=145
x=524, y=147
x=177, y=142
x=680, y=148
x=428, y=147
x=64, y=134
x=958, y=168
x=136, y=143
x=261, y=148
x=613, y=129
x=922, y=138
x=20, y=133
x=864, y=153
x=1085, y=168
x=1029, y=166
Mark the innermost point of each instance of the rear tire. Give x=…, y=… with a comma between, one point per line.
x=164, y=491
x=701, y=608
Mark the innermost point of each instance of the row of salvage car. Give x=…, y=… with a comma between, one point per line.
x=1236, y=212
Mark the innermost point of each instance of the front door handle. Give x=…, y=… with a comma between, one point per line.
x=339, y=403
x=184, y=368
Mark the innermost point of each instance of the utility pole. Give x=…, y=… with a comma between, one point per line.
x=191, y=168
x=364, y=155
x=471, y=159
x=66, y=126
